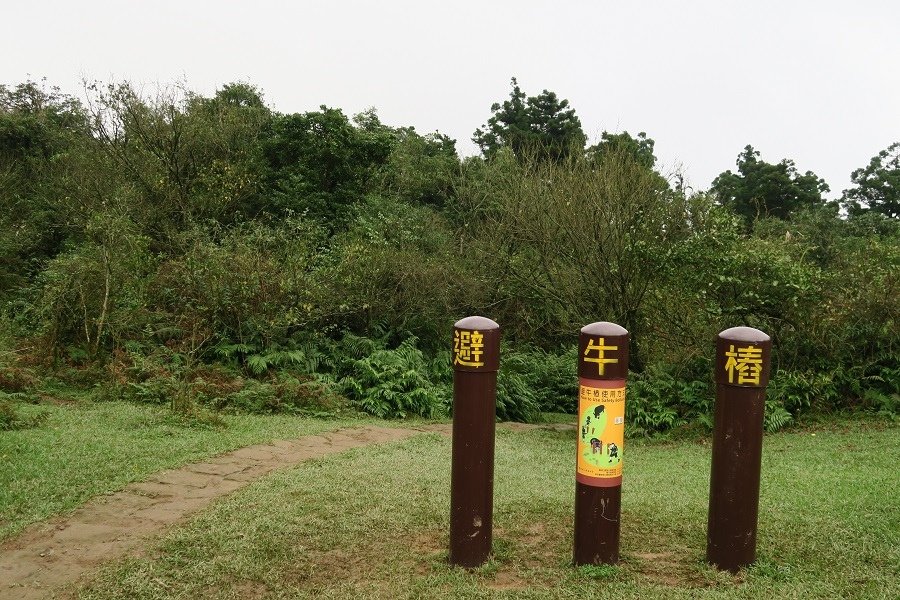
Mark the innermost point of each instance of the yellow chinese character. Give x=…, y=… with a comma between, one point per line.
x=468, y=346
x=600, y=359
x=747, y=362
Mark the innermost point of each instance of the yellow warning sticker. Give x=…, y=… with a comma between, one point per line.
x=601, y=434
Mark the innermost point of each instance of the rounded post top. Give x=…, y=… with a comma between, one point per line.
x=743, y=357
x=745, y=334
x=476, y=345
x=603, y=351
x=604, y=328
x=476, y=322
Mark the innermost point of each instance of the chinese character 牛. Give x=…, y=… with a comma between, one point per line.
x=601, y=358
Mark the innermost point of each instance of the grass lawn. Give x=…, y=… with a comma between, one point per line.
x=372, y=523
x=85, y=449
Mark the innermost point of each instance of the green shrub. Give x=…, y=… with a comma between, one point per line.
x=253, y=397
x=288, y=394
x=237, y=292
x=532, y=381
x=396, y=271
x=12, y=417
x=15, y=378
x=517, y=399
x=393, y=383
x=798, y=391
x=884, y=405
x=92, y=295
x=156, y=390
x=776, y=416
x=166, y=377
x=564, y=244
x=659, y=401
x=304, y=355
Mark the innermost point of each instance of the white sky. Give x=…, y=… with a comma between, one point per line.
x=818, y=82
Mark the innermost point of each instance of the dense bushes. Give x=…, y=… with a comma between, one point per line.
x=210, y=254
x=532, y=381
x=395, y=382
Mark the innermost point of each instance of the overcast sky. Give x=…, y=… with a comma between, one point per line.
x=817, y=82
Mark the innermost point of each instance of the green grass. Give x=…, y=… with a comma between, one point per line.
x=372, y=523
x=85, y=449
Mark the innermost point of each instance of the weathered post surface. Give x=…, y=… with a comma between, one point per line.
x=742, y=373
x=476, y=360
x=602, y=370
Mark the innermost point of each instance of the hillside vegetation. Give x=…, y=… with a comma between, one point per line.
x=213, y=254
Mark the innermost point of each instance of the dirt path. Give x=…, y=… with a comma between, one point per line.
x=50, y=554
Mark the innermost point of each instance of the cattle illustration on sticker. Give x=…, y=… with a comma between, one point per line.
x=601, y=419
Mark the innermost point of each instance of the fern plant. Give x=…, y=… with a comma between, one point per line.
x=659, y=401
x=776, y=416
x=305, y=356
x=517, y=398
x=393, y=383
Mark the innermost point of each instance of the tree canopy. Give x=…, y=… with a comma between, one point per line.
x=544, y=125
x=761, y=189
x=639, y=148
x=877, y=186
x=319, y=162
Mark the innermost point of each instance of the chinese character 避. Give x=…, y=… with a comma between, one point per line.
x=746, y=362
x=600, y=359
x=468, y=346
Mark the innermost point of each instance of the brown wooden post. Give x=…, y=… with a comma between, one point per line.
x=742, y=373
x=476, y=360
x=602, y=370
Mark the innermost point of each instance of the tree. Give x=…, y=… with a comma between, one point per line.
x=42, y=131
x=640, y=148
x=421, y=169
x=562, y=244
x=542, y=124
x=190, y=158
x=225, y=135
x=877, y=185
x=320, y=163
x=761, y=189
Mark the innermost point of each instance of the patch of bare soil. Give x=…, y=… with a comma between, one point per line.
x=59, y=551
x=674, y=568
x=506, y=581
x=545, y=426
